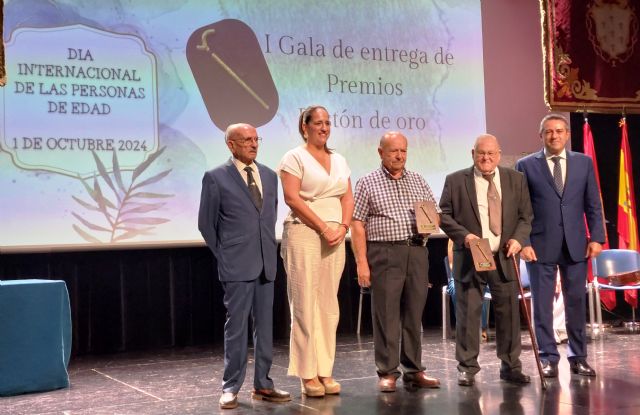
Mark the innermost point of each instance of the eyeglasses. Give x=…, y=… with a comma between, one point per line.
x=490, y=154
x=248, y=140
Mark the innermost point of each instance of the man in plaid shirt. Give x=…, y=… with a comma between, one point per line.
x=392, y=259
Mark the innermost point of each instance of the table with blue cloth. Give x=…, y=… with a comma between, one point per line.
x=35, y=336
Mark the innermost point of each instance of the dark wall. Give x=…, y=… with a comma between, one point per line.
x=142, y=299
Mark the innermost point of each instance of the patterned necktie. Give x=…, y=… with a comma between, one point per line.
x=557, y=174
x=253, y=188
x=495, y=206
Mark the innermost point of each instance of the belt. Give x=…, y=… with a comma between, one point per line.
x=411, y=241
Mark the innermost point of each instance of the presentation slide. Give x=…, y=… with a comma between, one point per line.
x=113, y=110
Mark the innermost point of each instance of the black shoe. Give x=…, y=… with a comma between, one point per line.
x=465, y=379
x=581, y=367
x=515, y=376
x=549, y=369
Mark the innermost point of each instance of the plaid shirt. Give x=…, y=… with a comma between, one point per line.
x=385, y=204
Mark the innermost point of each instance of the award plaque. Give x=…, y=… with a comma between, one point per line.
x=426, y=217
x=482, y=255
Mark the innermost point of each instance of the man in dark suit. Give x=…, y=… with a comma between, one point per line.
x=238, y=210
x=486, y=201
x=563, y=193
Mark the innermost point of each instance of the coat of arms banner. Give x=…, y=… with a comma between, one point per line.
x=591, y=54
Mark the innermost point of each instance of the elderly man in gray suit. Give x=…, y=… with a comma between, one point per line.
x=486, y=201
x=238, y=210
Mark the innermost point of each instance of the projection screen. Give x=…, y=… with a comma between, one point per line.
x=113, y=110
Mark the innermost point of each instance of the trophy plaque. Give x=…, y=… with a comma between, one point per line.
x=426, y=217
x=482, y=255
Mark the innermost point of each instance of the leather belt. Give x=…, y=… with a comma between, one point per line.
x=411, y=241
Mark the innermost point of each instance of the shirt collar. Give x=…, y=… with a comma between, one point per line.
x=478, y=173
x=240, y=165
x=562, y=155
x=386, y=172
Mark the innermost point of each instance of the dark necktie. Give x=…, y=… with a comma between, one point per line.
x=495, y=206
x=253, y=188
x=557, y=174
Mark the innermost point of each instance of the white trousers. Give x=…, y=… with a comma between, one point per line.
x=313, y=277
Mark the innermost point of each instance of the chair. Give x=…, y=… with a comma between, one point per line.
x=446, y=309
x=363, y=291
x=614, y=263
x=446, y=325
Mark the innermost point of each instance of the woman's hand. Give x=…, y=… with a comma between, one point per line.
x=334, y=236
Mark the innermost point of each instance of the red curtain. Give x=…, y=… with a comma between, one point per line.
x=592, y=54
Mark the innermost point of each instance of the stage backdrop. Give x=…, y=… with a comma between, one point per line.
x=114, y=110
x=592, y=54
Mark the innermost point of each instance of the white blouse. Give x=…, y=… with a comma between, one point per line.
x=320, y=191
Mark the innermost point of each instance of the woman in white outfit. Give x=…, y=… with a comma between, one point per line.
x=317, y=188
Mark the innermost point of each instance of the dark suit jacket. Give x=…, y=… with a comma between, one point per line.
x=460, y=216
x=558, y=215
x=241, y=238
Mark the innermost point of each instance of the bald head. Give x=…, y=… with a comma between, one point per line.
x=391, y=136
x=393, y=152
x=242, y=140
x=486, y=138
x=233, y=130
x=486, y=153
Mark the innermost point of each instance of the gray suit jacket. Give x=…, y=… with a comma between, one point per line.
x=460, y=216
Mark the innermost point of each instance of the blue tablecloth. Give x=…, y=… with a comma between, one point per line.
x=35, y=336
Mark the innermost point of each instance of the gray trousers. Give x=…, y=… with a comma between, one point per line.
x=504, y=298
x=399, y=283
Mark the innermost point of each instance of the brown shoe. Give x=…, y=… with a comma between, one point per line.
x=387, y=383
x=271, y=395
x=228, y=400
x=420, y=380
x=331, y=387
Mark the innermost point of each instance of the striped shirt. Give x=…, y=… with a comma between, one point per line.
x=385, y=204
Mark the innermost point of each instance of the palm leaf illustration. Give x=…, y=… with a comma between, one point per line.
x=126, y=215
x=116, y=173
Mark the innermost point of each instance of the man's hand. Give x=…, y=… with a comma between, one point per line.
x=528, y=254
x=513, y=247
x=469, y=238
x=364, y=274
x=593, y=250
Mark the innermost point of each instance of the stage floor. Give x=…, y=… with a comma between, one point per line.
x=187, y=381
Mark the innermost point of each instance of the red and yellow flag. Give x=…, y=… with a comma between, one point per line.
x=627, y=218
x=608, y=298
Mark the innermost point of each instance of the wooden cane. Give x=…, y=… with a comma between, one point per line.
x=534, y=343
